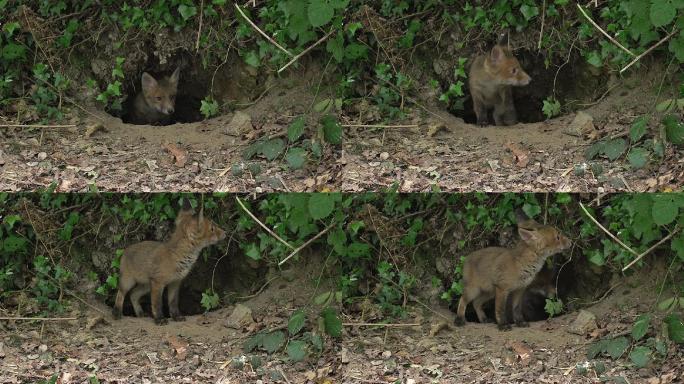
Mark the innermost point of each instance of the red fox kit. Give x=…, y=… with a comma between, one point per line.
x=150, y=266
x=157, y=100
x=491, y=79
x=501, y=272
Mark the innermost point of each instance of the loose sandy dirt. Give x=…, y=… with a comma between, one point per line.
x=436, y=150
x=204, y=349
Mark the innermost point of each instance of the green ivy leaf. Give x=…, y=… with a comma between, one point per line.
x=640, y=356
x=617, y=347
x=638, y=157
x=187, y=11
x=321, y=205
x=296, y=322
x=274, y=341
x=296, y=350
x=320, y=12
x=331, y=322
x=640, y=327
x=662, y=12
x=252, y=59
x=253, y=252
x=529, y=12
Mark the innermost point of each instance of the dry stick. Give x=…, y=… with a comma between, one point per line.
x=606, y=231
x=260, y=31
x=646, y=52
x=390, y=325
x=259, y=291
x=262, y=224
x=378, y=126
x=36, y=126
x=199, y=31
x=40, y=318
x=604, y=32
x=311, y=240
x=541, y=32
x=666, y=238
x=304, y=52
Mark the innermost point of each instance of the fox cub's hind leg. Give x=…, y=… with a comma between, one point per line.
x=173, y=293
x=125, y=285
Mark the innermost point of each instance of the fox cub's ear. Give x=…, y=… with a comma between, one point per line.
x=174, y=77
x=148, y=82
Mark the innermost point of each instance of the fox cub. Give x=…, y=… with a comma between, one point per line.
x=498, y=273
x=156, y=102
x=491, y=79
x=151, y=266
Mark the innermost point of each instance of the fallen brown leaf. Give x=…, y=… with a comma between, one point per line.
x=180, y=347
x=522, y=157
x=179, y=154
x=523, y=352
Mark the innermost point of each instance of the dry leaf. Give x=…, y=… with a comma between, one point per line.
x=522, y=351
x=179, y=154
x=180, y=347
x=522, y=157
x=92, y=128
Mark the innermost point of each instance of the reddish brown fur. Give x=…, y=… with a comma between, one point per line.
x=151, y=266
x=502, y=272
x=490, y=80
x=157, y=100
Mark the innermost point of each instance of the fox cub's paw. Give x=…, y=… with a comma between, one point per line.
x=179, y=318
x=459, y=322
x=504, y=327
x=116, y=314
x=161, y=321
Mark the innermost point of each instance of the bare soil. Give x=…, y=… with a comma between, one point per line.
x=438, y=149
x=204, y=349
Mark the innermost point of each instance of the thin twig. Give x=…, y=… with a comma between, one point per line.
x=604, y=32
x=664, y=239
x=304, y=52
x=378, y=126
x=283, y=375
x=36, y=126
x=260, y=31
x=311, y=240
x=607, y=231
x=262, y=224
x=199, y=31
x=646, y=52
x=390, y=325
x=259, y=291
x=39, y=318
x=541, y=32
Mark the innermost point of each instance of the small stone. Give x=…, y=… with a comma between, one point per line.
x=384, y=156
x=240, y=318
x=584, y=323
x=582, y=124
x=240, y=124
x=386, y=355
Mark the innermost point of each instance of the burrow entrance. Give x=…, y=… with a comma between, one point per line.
x=574, y=82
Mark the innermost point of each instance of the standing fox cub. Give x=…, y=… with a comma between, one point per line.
x=157, y=100
x=151, y=266
x=500, y=272
x=491, y=79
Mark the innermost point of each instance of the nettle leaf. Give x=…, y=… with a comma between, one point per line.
x=638, y=157
x=664, y=211
x=296, y=322
x=323, y=298
x=332, y=131
x=273, y=148
x=321, y=205
x=296, y=129
x=640, y=356
x=596, y=349
x=296, y=350
x=331, y=322
x=335, y=46
x=617, y=347
x=274, y=341
x=677, y=245
x=674, y=130
x=529, y=12
x=676, y=46
x=675, y=328
x=662, y=12
x=320, y=12
x=296, y=157
x=253, y=342
x=638, y=128
x=615, y=148
x=186, y=11
x=641, y=327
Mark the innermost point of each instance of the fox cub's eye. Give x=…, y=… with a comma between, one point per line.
x=514, y=71
x=159, y=98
